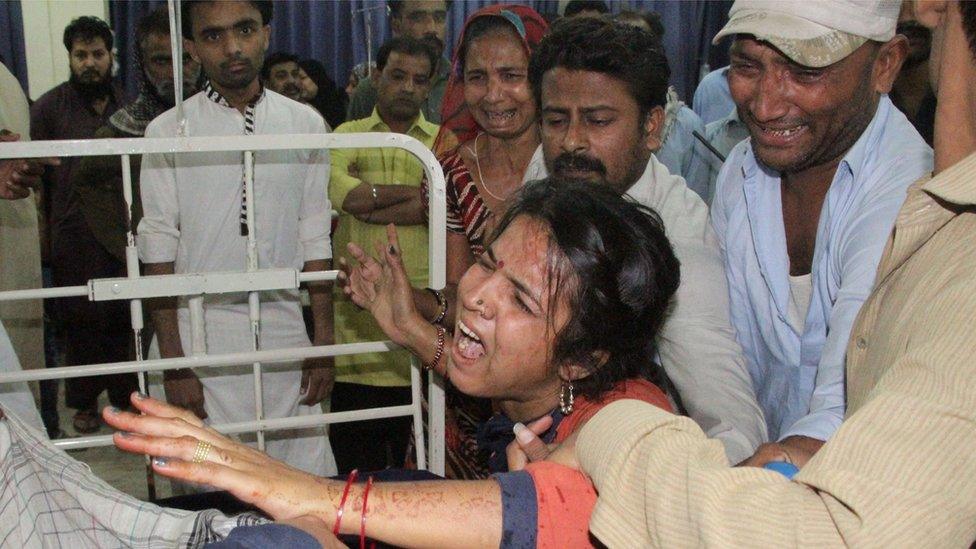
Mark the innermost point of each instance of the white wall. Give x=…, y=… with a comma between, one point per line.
x=44, y=23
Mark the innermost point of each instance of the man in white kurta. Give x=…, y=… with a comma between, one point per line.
x=192, y=217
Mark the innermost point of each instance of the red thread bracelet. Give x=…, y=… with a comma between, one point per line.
x=342, y=501
x=362, y=519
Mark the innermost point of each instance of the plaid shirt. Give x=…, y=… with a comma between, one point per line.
x=48, y=499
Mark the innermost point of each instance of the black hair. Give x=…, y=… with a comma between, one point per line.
x=480, y=26
x=612, y=257
x=968, y=11
x=276, y=58
x=406, y=46
x=266, y=7
x=156, y=22
x=87, y=28
x=650, y=18
x=395, y=7
x=330, y=101
x=573, y=7
x=594, y=44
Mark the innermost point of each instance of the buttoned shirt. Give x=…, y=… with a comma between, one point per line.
x=723, y=134
x=712, y=99
x=799, y=377
x=898, y=472
x=696, y=345
x=379, y=166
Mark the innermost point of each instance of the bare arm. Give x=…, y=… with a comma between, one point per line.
x=406, y=514
x=318, y=374
x=408, y=212
x=360, y=200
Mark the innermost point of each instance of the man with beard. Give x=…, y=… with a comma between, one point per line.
x=97, y=183
x=912, y=92
x=803, y=208
x=601, y=88
x=75, y=110
x=195, y=222
x=372, y=188
x=281, y=73
x=423, y=20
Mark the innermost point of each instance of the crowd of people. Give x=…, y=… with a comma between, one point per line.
x=740, y=322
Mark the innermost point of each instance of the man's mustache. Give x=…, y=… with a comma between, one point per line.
x=568, y=162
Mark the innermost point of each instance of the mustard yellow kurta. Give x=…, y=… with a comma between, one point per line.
x=381, y=166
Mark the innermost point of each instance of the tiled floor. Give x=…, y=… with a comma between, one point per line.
x=124, y=471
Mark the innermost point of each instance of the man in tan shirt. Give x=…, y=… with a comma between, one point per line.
x=900, y=471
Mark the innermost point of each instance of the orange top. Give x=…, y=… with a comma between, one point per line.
x=565, y=497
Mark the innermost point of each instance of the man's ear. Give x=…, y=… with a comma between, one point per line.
x=653, y=126
x=887, y=63
x=266, y=30
x=395, y=26
x=190, y=47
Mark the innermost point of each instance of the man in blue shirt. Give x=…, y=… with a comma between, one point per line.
x=803, y=208
x=712, y=100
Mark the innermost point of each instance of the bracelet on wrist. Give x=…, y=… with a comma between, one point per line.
x=439, y=350
x=441, y=305
x=342, y=501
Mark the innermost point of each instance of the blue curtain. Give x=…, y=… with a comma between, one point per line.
x=12, y=40
x=335, y=32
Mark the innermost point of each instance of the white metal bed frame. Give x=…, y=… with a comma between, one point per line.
x=135, y=287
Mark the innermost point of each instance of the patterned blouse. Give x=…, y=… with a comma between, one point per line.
x=467, y=213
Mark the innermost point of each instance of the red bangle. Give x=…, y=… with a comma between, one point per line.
x=362, y=520
x=342, y=502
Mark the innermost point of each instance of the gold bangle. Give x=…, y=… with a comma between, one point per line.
x=441, y=305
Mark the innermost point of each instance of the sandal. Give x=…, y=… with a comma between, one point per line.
x=86, y=421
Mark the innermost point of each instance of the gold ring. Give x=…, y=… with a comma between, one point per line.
x=201, y=452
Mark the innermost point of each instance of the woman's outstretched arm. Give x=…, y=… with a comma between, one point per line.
x=407, y=514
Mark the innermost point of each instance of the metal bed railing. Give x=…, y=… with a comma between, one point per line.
x=135, y=287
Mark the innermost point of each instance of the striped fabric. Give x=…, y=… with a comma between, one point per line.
x=901, y=470
x=216, y=97
x=466, y=211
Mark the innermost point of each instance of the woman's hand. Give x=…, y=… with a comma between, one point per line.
x=173, y=435
x=528, y=447
x=381, y=287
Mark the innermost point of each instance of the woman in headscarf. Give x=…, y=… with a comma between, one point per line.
x=489, y=132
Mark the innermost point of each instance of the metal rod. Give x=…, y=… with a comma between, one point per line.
x=710, y=147
x=135, y=305
x=294, y=422
x=253, y=299
x=213, y=360
x=176, y=45
x=418, y=420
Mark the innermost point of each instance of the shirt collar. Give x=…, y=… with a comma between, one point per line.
x=421, y=124
x=957, y=184
x=215, y=96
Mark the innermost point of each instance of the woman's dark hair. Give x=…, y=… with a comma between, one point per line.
x=968, y=11
x=612, y=257
x=87, y=28
x=599, y=45
x=479, y=27
x=330, y=101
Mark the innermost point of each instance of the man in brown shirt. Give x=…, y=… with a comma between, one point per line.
x=900, y=471
x=93, y=333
